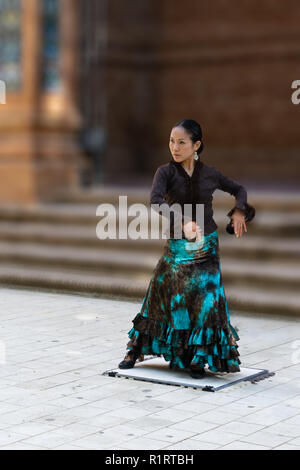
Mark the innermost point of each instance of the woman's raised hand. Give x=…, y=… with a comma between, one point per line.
x=238, y=222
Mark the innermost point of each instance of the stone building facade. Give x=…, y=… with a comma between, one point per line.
x=94, y=87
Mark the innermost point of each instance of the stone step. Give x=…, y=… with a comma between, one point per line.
x=56, y=247
x=273, y=274
x=15, y=274
x=246, y=299
x=265, y=223
x=273, y=200
x=262, y=248
x=263, y=300
x=70, y=235
x=84, y=260
x=248, y=247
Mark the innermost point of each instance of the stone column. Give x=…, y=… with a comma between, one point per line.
x=39, y=153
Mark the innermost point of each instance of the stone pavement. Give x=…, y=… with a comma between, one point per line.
x=54, y=348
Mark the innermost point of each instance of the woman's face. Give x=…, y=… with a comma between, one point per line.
x=181, y=145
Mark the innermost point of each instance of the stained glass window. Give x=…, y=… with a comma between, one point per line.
x=10, y=44
x=51, y=46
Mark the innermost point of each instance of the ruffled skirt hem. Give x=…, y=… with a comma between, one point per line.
x=195, y=347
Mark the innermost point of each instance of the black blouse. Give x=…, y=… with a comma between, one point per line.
x=172, y=184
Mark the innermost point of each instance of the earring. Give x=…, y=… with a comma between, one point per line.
x=196, y=156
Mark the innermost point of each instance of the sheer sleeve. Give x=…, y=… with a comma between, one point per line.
x=174, y=213
x=239, y=192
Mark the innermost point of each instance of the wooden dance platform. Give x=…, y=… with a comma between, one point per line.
x=157, y=370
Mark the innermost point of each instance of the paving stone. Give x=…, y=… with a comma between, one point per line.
x=174, y=416
x=244, y=429
x=295, y=442
x=50, y=439
x=284, y=429
x=171, y=434
x=8, y=436
x=150, y=423
x=77, y=430
x=196, y=424
x=129, y=412
x=31, y=428
x=287, y=447
x=218, y=416
x=216, y=436
x=54, y=396
x=102, y=420
x=268, y=439
x=195, y=406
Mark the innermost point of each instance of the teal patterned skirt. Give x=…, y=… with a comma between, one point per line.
x=184, y=315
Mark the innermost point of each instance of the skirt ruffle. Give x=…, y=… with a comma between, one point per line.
x=197, y=346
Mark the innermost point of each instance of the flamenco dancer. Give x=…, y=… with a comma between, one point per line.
x=184, y=315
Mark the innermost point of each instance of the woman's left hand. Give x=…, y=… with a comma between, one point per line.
x=238, y=222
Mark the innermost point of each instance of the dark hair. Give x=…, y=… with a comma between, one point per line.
x=194, y=129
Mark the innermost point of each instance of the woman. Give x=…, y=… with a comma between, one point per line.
x=184, y=315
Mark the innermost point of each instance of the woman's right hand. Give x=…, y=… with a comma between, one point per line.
x=192, y=230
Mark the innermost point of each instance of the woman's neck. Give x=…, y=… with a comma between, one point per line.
x=189, y=165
